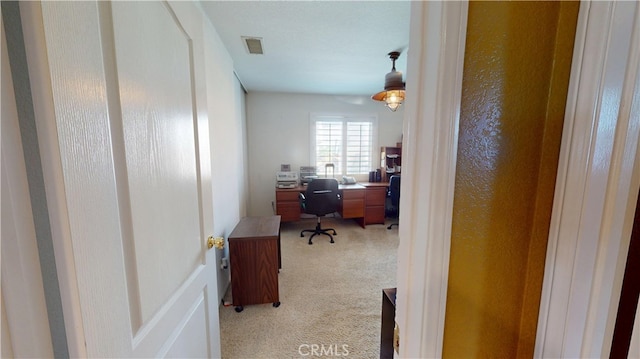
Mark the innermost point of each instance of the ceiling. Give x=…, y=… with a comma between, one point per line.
x=320, y=47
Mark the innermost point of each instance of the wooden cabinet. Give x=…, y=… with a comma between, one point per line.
x=375, y=198
x=288, y=204
x=254, y=250
x=390, y=162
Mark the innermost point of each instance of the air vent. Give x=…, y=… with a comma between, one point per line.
x=254, y=45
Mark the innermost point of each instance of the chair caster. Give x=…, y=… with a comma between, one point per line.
x=332, y=241
x=276, y=304
x=239, y=309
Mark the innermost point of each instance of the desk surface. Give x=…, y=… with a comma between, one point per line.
x=256, y=227
x=374, y=184
x=359, y=185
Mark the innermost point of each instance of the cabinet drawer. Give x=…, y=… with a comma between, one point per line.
x=374, y=215
x=353, y=203
x=353, y=194
x=353, y=208
x=287, y=196
x=376, y=196
x=289, y=211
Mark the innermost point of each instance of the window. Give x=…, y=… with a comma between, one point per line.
x=347, y=142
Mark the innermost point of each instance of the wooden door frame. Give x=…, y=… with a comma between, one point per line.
x=596, y=187
x=574, y=321
x=430, y=143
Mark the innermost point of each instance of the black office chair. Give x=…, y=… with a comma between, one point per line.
x=320, y=198
x=394, y=194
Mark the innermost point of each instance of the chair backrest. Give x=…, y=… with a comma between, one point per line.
x=394, y=190
x=321, y=196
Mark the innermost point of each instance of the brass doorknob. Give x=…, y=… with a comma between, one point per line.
x=217, y=242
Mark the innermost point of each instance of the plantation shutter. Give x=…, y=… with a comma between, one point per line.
x=329, y=143
x=347, y=142
x=358, y=145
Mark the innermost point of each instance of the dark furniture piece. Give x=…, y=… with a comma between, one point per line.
x=394, y=193
x=388, y=323
x=320, y=198
x=254, y=250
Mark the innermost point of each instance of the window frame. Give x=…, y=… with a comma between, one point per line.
x=344, y=118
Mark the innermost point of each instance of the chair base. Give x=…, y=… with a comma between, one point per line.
x=391, y=225
x=317, y=231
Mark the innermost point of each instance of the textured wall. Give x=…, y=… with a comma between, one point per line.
x=517, y=62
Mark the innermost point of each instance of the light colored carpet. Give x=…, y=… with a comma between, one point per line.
x=331, y=296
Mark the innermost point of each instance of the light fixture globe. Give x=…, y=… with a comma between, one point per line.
x=393, y=94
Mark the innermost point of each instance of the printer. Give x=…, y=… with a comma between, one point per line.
x=307, y=174
x=286, y=179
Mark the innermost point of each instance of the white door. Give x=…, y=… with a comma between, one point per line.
x=130, y=172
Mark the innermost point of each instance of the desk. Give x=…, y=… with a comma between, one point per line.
x=363, y=202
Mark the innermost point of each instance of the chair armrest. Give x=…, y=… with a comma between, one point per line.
x=303, y=201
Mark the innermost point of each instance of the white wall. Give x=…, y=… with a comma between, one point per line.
x=226, y=111
x=278, y=133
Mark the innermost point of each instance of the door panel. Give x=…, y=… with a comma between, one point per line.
x=154, y=77
x=191, y=339
x=128, y=113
